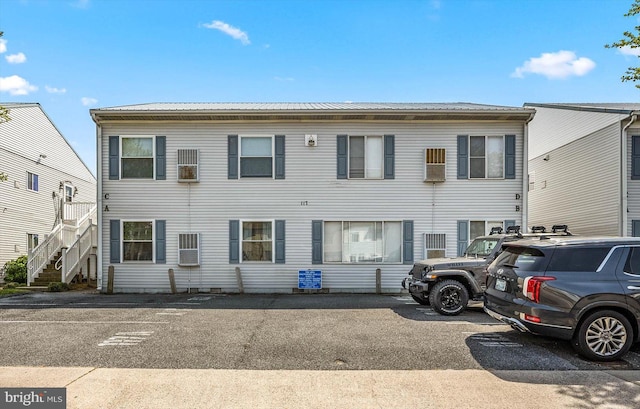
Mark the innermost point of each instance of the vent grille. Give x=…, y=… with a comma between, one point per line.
x=435, y=245
x=189, y=249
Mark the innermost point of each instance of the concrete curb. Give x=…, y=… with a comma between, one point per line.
x=121, y=388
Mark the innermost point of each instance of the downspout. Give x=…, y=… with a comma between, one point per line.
x=99, y=201
x=525, y=174
x=624, y=200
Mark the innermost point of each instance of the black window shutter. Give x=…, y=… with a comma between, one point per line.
x=635, y=157
x=161, y=157
x=234, y=241
x=316, y=242
x=389, y=157
x=161, y=241
x=463, y=156
x=342, y=151
x=407, y=242
x=463, y=236
x=114, y=241
x=232, y=157
x=280, y=241
x=114, y=157
x=279, y=157
x=509, y=156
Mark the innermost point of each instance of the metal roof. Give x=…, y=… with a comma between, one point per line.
x=247, y=111
x=604, y=107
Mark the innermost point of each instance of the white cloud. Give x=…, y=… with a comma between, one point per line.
x=86, y=101
x=15, y=85
x=229, y=30
x=3, y=46
x=16, y=58
x=626, y=50
x=561, y=64
x=53, y=90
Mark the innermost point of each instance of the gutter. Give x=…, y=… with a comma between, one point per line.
x=624, y=200
x=99, y=200
x=525, y=173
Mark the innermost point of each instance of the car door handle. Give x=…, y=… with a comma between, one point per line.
x=633, y=287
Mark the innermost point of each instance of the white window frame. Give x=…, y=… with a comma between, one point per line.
x=153, y=241
x=273, y=240
x=488, y=224
x=366, y=157
x=31, y=178
x=486, y=157
x=33, y=239
x=342, y=252
x=152, y=157
x=273, y=156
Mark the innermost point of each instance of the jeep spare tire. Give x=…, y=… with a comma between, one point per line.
x=449, y=297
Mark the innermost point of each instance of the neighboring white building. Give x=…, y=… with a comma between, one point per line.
x=270, y=190
x=584, y=167
x=43, y=170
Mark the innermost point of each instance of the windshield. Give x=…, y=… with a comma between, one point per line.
x=481, y=247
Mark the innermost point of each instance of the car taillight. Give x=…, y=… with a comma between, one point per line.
x=531, y=286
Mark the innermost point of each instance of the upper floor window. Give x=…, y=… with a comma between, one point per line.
x=256, y=156
x=366, y=157
x=486, y=157
x=137, y=157
x=32, y=181
x=363, y=242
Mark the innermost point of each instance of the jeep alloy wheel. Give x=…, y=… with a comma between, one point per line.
x=449, y=297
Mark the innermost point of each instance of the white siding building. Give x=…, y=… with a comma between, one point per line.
x=269, y=190
x=584, y=167
x=42, y=170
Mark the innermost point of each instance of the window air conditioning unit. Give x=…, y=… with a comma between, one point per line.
x=189, y=249
x=434, y=164
x=188, y=165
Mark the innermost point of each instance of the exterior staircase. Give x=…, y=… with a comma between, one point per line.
x=66, y=252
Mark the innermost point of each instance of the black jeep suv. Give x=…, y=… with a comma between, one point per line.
x=586, y=290
x=449, y=283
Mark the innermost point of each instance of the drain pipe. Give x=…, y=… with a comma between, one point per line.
x=525, y=174
x=98, y=200
x=624, y=201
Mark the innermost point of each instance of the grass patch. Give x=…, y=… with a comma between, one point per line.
x=4, y=292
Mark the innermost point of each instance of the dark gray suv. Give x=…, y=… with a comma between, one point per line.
x=586, y=290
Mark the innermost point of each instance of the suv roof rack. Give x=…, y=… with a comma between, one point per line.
x=495, y=230
x=563, y=228
x=538, y=229
x=513, y=229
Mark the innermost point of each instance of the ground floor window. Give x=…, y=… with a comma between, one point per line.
x=482, y=227
x=137, y=240
x=32, y=241
x=363, y=242
x=257, y=241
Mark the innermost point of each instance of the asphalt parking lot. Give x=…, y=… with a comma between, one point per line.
x=291, y=351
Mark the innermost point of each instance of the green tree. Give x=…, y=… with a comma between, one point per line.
x=631, y=40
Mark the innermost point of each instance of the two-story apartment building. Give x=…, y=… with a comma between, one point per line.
x=260, y=191
x=45, y=178
x=584, y=167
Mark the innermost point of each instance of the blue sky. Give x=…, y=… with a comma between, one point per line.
x=74, y=55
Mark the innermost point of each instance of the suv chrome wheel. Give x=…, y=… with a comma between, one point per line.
x=604, y=336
